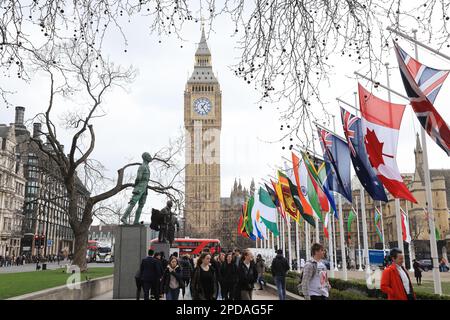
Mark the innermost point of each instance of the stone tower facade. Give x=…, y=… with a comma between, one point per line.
x=203, y=122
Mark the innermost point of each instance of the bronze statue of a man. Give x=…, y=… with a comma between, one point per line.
x=165, y=220
x=140, y=190
x=173, y=222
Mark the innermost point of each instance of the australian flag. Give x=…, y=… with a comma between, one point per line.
x=422, y=84
x=335, y=153
x=363, y=169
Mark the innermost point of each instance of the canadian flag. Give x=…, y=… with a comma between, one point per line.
x=380, y=122
x=405, y=227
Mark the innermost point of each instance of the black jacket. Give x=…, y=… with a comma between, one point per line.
x=151, y=269
x=216, y=265
x=279, y=266
x=197, y=289
x=186, y=268
x=229, y=273
x=166, y=279
x=247, y=276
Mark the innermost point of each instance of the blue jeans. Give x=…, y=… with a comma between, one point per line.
x=173, y=294
x=261, y=280
x=280, y=282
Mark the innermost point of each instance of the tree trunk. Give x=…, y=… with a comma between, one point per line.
x=81, y=240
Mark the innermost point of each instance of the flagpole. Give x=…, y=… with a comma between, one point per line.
x=411, y=269
x=330, y=247
x=363, y=211
x=279, y=234
x=382, y=227
x=414, y=40
x=341, y=227
x=357, y=229
x=273, y=241
x=398, y=217
x=364, y=226
x=297, y=246
x=317, y=230
x=283, y=238
x=433, y=243
x=289, y=242
x=307, y=242
x=334, y=244
x=382, y=86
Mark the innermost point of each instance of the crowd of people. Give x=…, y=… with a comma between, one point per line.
x=235, y=276
x=223, y=276
x=20, y=260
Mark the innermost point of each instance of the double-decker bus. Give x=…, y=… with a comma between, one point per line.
x=92, y=248
x=194, y=246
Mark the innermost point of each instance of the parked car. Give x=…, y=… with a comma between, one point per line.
x=426, y=264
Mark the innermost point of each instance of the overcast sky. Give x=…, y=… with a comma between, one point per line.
x=151, y=111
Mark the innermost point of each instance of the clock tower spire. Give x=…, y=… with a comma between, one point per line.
x=202, y=121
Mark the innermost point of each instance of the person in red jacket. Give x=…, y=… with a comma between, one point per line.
x=395, y=281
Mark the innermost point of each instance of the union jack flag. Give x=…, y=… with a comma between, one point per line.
x=422, y=84
x=337, y=158
x=348, y=122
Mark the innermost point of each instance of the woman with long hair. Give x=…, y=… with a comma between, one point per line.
x=172, y=280
x=229, y=277
x=247, y=274
x=204, y=279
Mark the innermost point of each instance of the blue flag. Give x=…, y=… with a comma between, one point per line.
x=335, y=152
x=363, y=169
x=326, y=185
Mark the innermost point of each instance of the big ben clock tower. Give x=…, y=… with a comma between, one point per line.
x=202, y=121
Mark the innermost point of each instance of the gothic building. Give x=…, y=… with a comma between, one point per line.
x=202, y=121
x=231, y=210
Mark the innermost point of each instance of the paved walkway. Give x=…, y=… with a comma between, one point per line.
x=257, y=295
x=50, y=266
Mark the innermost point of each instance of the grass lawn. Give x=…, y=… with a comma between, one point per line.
x=428, y=287
x=16, y=284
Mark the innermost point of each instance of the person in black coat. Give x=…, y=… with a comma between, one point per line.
x=172, y=280
x=151, y=272
x=186, y=269
x=247, y=275
x=229, y=277
x=417, y=272
x=279, y=268
x=204, y=280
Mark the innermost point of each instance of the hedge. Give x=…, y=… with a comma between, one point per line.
x=335, y=294
x=349, y=290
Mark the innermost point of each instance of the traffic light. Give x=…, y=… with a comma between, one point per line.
x=37, y=241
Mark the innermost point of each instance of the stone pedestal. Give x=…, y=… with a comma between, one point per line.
x=164, y=247
x=131, y=246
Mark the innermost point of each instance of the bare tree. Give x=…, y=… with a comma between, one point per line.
x=74, y=69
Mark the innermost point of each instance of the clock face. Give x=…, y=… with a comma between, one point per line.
x=202, y=106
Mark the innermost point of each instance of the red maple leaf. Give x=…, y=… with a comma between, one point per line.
x=374, y=148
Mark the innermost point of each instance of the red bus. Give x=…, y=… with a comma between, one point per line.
x=195, y=246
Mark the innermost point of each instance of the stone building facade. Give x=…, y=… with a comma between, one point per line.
x=12, y=192
x=45, y=200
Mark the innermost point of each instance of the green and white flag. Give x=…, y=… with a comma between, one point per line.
x=265, y=213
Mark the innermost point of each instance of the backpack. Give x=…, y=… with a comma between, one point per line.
x=300, y=277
